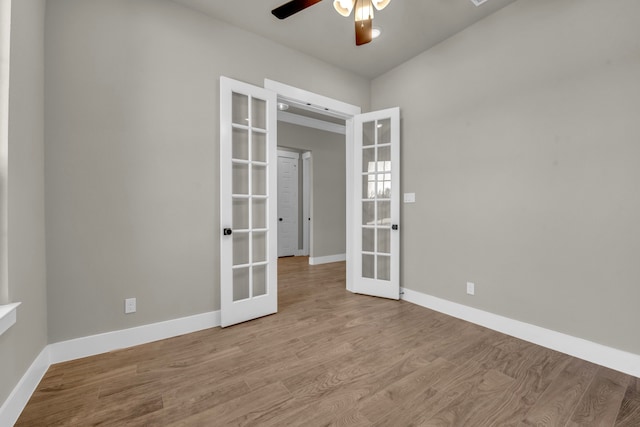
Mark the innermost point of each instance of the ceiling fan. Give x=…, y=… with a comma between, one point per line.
x=363, y=13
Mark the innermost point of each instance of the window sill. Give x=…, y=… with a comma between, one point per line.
x=7, y=316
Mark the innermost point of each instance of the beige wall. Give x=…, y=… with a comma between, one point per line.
x=132, y=154
x=328, y=204
x=20, y=345
x=521, y=140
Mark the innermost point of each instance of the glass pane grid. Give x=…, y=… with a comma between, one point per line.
x=250, y=156
x=376, y=198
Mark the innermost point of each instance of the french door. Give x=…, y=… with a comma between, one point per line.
x=376, y=205
x=248, y=205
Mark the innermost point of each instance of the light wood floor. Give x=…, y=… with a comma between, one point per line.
x=333, y=358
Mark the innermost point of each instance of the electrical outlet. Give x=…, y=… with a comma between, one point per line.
x=471, y=288
x=129, y=305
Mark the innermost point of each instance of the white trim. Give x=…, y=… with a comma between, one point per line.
x=296, y=119
x=7, y=316
x=327, y=259
x=619, y=360
x=288, y=154
x=352, y=227
x=96, y=344
x=109, y=341
x=21, y=393
x=5, y=54
x=312, y=101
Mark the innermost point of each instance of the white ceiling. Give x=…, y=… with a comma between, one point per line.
x=408, y=28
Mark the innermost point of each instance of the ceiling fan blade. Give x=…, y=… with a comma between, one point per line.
x=292, y=7
x=364, y=31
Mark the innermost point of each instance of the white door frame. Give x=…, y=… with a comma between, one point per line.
x=332, y=107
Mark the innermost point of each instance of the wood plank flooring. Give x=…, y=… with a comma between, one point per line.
x=333, y=358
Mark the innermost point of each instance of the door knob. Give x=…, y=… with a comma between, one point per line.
x=227, y=232
x=394, y=227
x=279, y=219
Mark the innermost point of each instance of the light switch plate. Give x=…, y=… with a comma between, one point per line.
x=129, y=305
x=409, y=197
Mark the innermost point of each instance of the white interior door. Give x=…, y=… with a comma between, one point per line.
x=377, y=204
x=248, y=189
x=306, y=201
x=287, y=203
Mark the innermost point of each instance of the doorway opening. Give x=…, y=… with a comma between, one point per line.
x=319, y=129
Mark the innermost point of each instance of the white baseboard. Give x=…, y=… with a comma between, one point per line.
x=96, y=344
x=619, y=360
x=327, y=259
x=109, y=341
x=21, y=393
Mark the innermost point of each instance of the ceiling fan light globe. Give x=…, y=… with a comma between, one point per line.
x=343, y=7
x=380, y=4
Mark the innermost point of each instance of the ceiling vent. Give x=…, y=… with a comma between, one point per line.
x=478, y=2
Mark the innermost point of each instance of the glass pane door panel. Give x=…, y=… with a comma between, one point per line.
x=369, y=239
x=384, y=213
x=384, y=267
x=384, y=131
x=369, y=133
x=259, y=246
x=383, y=185
x=259, y=147
x=369, y=160
x=240, y=248
x=259, y=180
x=240, y=144
x=384, y=240
x=240, y=109
x=368, y=213
x=240, y=283
x=258, y=113
x=259, y=280
x=368, y=266
x=369, y=186
x=240, y=214
x=259, y=213
x=240, y=179
x=384, y=159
